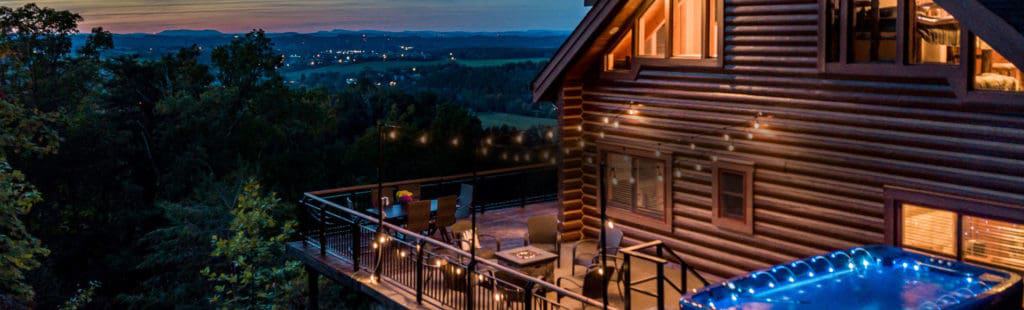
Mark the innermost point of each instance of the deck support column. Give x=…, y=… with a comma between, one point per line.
x=313, y=289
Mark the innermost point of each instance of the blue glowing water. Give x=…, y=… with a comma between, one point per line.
x=874, y=277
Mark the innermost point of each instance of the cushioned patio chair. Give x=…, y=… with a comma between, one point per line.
x=542, y=232
x=586, y=252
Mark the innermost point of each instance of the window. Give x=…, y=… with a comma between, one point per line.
x=636, y=184
x=930, y=230
x=833, y=27
x=934, y=35
x=621, y=56
x=957, y=228
x=732, y=197
x=874, y=30
x=993, y=242
x=993, y=72
x=695, y=29
x=653, y=30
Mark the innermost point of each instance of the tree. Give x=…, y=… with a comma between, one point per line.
x=254, y=274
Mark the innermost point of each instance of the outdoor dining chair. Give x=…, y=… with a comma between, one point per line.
x=594, y=283
x=587, y=252
x=445, y=217
x=542, y=232
x=418, y=219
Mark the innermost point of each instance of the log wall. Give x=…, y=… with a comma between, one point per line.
x=831, y=146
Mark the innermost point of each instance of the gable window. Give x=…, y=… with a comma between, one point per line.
x=621, y=56
x=636, y=184
x=695, y=29
x=873, y=37
x=994, y=72
x=653, y=29
x=732, y=197
x=934, y=35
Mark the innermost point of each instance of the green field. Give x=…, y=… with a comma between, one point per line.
x=351, y=69
x=494, y=119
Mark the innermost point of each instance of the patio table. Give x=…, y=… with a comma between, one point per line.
x=397, y=213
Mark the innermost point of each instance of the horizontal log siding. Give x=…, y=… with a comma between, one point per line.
x=570, y=175
x=821, y=163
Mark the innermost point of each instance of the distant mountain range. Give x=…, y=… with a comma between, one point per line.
x=336, y=32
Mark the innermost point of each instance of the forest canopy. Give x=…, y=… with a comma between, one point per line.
x=123, y=180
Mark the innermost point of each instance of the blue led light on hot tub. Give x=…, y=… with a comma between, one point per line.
x=875, y=277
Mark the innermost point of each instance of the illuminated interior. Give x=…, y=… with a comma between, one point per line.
x=650, y=187
x=620, y=56
x=874, y=30
x=929, y=229
x=687, y=26
x=993, y=242
x=636, y=184
x=653, y=31
x=993, y=72
x=935, y=35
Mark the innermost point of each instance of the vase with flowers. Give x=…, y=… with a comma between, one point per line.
x=404, y=196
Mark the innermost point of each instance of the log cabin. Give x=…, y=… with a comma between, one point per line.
x=748, y=133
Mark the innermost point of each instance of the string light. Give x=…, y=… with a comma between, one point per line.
x=393, y=134
x=731, y=148
x=698, y=167
x=725, y=137
x=601, y=134
x=615, y=124
x=714, y=158
x=423, y=139
x=455, y=141
x=615, y=179
x=693, y=146
x=750, y=136
x=551, y=134
x=519, y=138
x=605, y=119
x=679, y=173
x=657, y=153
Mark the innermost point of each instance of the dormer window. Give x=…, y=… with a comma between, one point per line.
x=873, y=35
x=621, y=56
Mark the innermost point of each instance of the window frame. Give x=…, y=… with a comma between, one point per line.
x=975, y=95
x=899, y=67
x=669, y=60
x=746, y=225
x=663, y=224
x=896, y=196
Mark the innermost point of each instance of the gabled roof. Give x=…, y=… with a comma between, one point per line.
x=999, y=22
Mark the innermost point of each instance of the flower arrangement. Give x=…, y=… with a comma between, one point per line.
x=404, y=196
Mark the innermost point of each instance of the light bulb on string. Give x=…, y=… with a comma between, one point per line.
x=393, y=134
x=489, y=141
x=632, y=180
x=714, y=158
x=615, y=124
x=423, y=139
x=455, y=141
x=611, y=224
x=757, y=125
x=605, y=119
x=661, y=176
x=750, y=136
x=693, y=146
x=657, y=153
x=526, y=157
x=504, y=156
x=519, y=138
x=731, y=148
x=601, y=134
x=698, y=167
x=615, y=179
x=679, y=173
x=579, y=127
x=551, y=134
x=726, y=137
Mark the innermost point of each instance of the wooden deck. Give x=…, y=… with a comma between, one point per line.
x=508, y=225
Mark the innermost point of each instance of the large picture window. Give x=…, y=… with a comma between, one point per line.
x=934, y=35
x=653, y=29
x=636, y=184
x=873, y=37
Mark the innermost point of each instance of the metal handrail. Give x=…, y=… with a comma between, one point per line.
x=431, y=179
x=457, y=251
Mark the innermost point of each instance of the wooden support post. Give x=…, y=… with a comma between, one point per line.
x=628, y=285
x=313, y=290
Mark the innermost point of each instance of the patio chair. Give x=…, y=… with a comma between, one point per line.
x=542, y=232
x=445, y=216
x=418, y=219
x=586, y=252
x=593, y=284
x=463, y=211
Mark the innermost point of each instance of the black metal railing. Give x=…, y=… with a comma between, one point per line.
x=493, y=189
x=660, y=261
x=436, y=272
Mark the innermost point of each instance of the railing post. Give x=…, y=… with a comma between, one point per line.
x=626, y=292
x=522, y=192
x=356, y=246
x=528, y=296
x=682, y=282
x=323, y=230
x=419, y=272
x=661, y=286
x=470, y=269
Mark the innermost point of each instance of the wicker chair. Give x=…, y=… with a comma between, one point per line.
x=542, y=232
x=586, y=252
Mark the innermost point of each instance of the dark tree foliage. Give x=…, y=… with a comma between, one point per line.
x=140, y=161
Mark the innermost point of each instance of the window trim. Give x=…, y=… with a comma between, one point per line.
x=899, y=67
x=663, y=224
x=668, y=60
x=745, y=225
x=896, y=196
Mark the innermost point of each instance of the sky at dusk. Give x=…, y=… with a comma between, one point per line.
x=127, y=16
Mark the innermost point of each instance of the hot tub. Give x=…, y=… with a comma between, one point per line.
x=870, y=277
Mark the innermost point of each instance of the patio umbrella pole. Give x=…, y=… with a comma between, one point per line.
x=604, y=247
